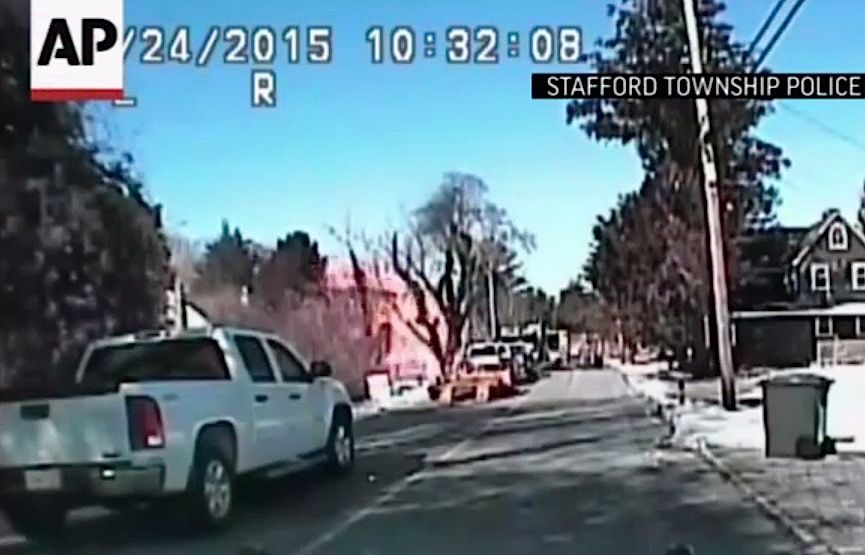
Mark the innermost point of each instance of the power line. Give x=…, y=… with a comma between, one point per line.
x=765, y=27
x=765, y=53
x=826, y=128
x=780, y=31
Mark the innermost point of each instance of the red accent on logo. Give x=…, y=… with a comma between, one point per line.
x=74, y=95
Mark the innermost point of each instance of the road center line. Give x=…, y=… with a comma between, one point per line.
x=396, y=488
x=354, y=517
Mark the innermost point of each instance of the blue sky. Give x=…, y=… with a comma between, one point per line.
x=363, y=143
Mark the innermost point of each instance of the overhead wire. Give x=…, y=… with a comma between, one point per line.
x=778, y=32
x=765, y=27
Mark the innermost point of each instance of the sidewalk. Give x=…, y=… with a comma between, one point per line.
x=824, y=498
x=821, y=502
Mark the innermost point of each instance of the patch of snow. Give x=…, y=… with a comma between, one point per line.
x=643, y=378
x=744, y=428
x=647, y=369
x=411, y=398
x=365, y=409
x=738, y=429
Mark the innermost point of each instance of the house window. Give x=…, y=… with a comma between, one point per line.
x=860, y=326
x=838, y=237
x=820, y=277
x=857, y=276
x=823, y=326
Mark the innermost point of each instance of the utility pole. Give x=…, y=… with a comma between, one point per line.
x=491, y=297
x=713, y=220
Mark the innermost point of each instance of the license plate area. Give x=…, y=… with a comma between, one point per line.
x=42, y=480
x=35, y=412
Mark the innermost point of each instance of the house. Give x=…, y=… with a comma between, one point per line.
x=803, y=298
x=405, y=358
x=194, y=317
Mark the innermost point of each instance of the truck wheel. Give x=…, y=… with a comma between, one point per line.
x=340, y=443
x=211, y=489
x=38, y=520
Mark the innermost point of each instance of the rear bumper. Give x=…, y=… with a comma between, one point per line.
x=89, y=482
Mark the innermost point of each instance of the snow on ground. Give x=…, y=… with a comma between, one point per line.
x=739, y=429
x=643, y=378
x=744, y=428
x=417, y=397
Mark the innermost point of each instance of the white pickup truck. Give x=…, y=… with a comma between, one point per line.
x=168, y=415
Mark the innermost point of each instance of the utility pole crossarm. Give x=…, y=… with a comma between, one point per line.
x=713, y=220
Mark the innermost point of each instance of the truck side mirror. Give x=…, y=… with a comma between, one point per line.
x=321, y=369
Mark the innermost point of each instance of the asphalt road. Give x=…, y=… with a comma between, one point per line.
x=570, y=467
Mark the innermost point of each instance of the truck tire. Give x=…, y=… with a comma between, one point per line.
x=340, y=442
x=39, y=520
x=211, y=487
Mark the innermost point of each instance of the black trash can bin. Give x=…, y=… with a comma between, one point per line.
x=794, y=415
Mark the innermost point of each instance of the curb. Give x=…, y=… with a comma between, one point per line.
x=663, y=411
x=810, y=542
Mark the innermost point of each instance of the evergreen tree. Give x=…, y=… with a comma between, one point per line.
x=81, y=250
x=228, y=262
x=648, y=259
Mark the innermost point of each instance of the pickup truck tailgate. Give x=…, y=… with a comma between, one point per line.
x=68, y=430
x=485, y=361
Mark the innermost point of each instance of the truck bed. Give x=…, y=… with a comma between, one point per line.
x=55, y=392
x=62, y=427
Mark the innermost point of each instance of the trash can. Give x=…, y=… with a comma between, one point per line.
x=794, y=415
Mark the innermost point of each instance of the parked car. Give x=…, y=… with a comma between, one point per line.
x=163, y=415
x=513, y=356
x=482, y=355
x=519, y=354
x=490, y=358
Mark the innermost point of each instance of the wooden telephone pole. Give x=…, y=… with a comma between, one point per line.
x=491, y=304
x=713, y=220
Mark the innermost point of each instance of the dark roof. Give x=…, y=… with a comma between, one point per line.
x=815, y=232
x=768, y=256
x=773, y=248
x=765, y=257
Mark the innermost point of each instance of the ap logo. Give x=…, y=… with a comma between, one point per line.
x=76, y=50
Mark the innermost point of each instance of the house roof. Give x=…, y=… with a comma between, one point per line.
x=196, y=308
x=817, y=231
x=769, y=258
x=772, y=248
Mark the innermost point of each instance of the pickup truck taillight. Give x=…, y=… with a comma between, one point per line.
x=145, y=424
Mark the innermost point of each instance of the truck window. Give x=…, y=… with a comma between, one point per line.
x=291, y=369
x=254, y=358
x=482, y=351
x=172, y=359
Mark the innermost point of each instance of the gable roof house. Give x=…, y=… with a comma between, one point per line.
x=801, y=299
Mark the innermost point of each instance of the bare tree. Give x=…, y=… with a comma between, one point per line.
x=443, y=291
x=450, y=243
x=185, y=257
